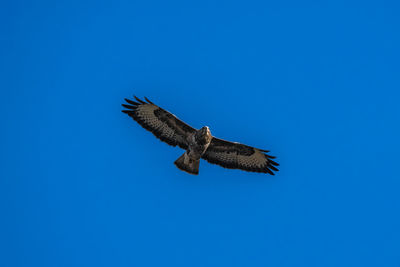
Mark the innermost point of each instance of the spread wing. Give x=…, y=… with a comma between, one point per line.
x=238, y=156
x=160, y=122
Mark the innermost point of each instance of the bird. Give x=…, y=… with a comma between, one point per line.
x=198, y=144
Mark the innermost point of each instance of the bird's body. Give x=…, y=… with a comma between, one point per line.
x=197, y=143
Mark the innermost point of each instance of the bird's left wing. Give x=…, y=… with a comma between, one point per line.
x=238, y=156
x=160, y=122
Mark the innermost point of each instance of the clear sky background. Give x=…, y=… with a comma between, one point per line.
x=81, y=184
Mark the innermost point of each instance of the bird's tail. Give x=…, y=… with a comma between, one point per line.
x=187, y=164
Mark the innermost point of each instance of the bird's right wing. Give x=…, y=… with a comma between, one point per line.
x=163, y=124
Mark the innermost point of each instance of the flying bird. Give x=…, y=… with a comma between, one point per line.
x=199, y=144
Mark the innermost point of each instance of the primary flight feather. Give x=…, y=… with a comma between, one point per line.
x=197, y=143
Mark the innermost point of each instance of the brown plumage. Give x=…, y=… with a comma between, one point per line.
x=197, y=143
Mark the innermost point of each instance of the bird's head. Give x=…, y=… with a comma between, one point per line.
x=205, y=130
x=204, y=135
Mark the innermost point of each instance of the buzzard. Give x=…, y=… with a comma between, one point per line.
x=197, y=143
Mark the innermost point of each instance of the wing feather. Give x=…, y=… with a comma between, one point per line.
x=163, y=124
x=238, y=156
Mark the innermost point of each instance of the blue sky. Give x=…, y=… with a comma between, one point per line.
x=317, y=84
